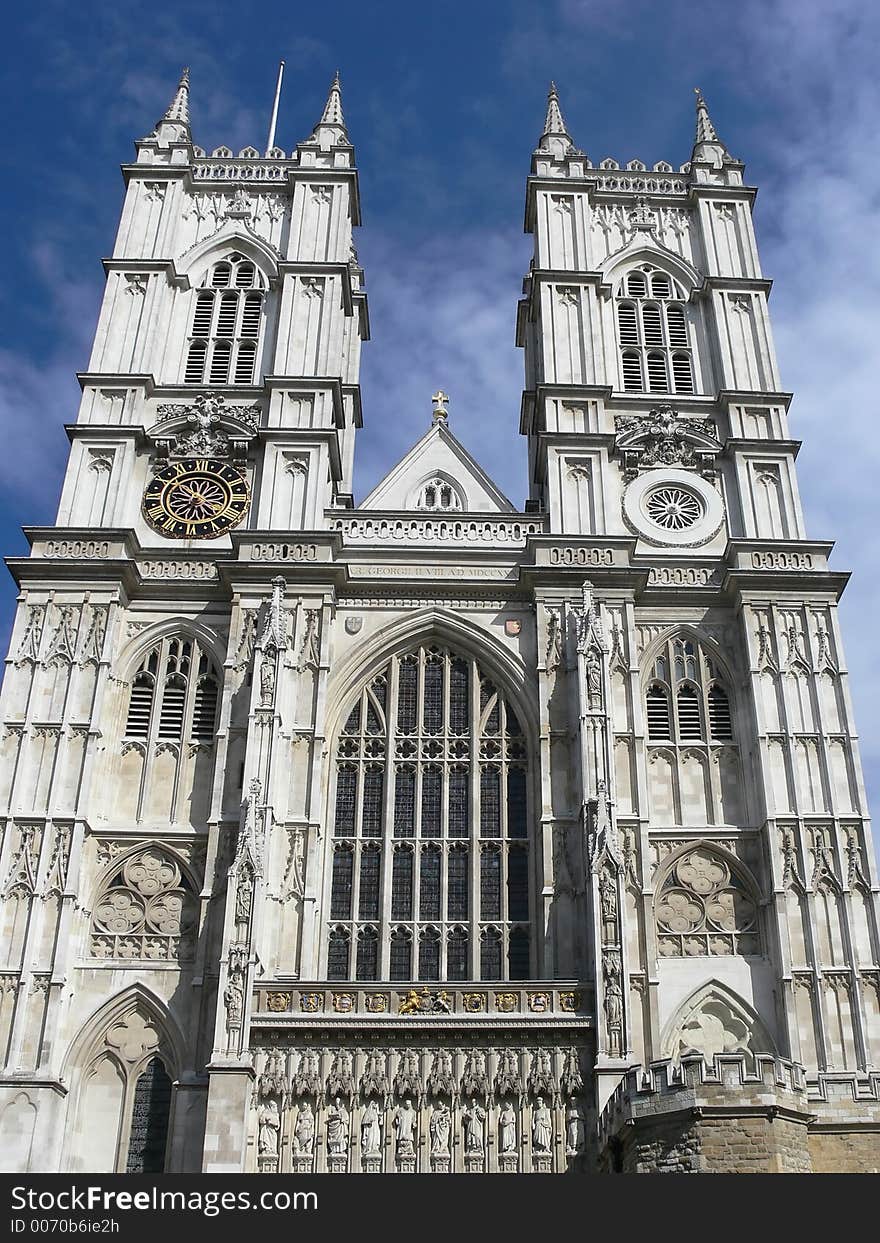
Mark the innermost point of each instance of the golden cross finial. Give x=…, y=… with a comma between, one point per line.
x=440, y=399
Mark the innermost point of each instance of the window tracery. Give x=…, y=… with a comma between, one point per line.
x=174, y=694
x=147, y=911
x=704, y=909
x=656, y=354
x=226, y=324
x=429, y=877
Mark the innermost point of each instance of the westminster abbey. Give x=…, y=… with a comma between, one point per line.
x=424, y=833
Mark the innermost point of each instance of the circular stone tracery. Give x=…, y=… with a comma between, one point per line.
x=673, y=508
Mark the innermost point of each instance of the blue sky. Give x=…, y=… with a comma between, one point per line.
x=444, y=105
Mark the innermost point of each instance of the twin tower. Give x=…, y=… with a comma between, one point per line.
x=427, y=834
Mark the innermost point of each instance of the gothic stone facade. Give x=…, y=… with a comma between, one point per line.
x=425, y=834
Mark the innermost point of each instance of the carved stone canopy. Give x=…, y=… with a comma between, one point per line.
x=207, y=427
x=663, y=438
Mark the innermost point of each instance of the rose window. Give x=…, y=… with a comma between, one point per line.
x=703, y=909
x=673, y=508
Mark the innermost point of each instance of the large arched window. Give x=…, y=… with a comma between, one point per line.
x=174, y=694
x=656, y=355
x=226, y=323
x=429, y=877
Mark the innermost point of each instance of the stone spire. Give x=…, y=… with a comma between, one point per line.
x=174, y=125
x=555, y=138
x=330, y=130
x=178, y=109
x=708, y=147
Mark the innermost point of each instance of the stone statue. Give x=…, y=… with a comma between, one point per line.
x=474, y=1138
x=441, y=1122
x=233, y=997
x=337, y=1129
x=507, y=1127
x=404, y=1125
x=371, y=1131
x=304, y=1131
x=608, y=901
x=269, y=1123
x=574, y=1127
x=594, y=677
x=542, y=1127
x=267, y=680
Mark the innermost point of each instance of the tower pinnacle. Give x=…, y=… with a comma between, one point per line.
x=708, y=147
x=555, y=138
x=178, y=109
x=174, y=125
x=330, y=130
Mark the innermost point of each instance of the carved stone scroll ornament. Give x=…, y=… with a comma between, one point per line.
x=664, y=438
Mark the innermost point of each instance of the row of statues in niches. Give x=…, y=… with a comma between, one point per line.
x=342, y=1135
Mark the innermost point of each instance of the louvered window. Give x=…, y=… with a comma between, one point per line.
x=632, y=372
x=653, y=335
x=688, y=704
x=690, y=721
x=432, y=764
x=226, y=325
x=659, y=716
x=205, y=710
x=626, y=324
x=720, y=724
x=168, y=702
x=657, y=382
x=681, y=373
x=140, y=706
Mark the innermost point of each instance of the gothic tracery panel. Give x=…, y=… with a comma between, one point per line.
x=704, y=908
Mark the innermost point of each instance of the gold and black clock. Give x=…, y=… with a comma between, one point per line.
x=199, y=498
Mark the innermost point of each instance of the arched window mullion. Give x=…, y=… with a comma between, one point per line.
x=474, y=913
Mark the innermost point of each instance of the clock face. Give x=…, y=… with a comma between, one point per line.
x=199, y=498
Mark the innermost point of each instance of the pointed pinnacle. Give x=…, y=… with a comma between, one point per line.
x=705, y=129
x=554, y=122
x=178, y=109
x=332, y=114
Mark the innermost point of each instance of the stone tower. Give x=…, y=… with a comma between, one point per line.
x=429, y=834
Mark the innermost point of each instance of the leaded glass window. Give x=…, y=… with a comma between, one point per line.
x=431, y=860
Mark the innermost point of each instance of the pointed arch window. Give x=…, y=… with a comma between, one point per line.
x=686, y=699
x=438, y=494
x=226, y=325
x=431, y=826
x=174, y=694
x=654, y=337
